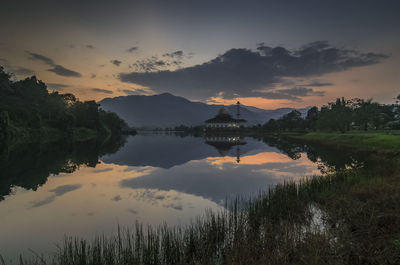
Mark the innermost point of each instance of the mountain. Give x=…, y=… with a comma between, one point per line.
x=167, y=110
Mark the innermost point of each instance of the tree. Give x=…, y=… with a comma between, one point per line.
x=312, y=118
x=69, y=98
x=112, y=122
x=292, y=121
x=337, y=116
x=271, y=125
x=28, y=104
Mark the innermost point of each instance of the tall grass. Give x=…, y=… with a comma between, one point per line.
x=273, y=228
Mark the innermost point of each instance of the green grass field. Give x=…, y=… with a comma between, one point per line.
x=358, y=140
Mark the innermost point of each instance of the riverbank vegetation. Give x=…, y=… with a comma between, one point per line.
x=355, y=123
x=347, y=217
x=340, y=116
x=30, y=113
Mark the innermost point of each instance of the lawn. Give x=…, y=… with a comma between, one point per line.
x=358, y=140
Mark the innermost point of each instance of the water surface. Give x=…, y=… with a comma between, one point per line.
x=89, y=189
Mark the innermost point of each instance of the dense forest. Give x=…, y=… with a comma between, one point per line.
x=29, y=113
x=342, y=115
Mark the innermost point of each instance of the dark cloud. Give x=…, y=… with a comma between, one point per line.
x=133, y=49
x=45, y=201
x=92, y=76
x=106, y=91
x=177, y=54
x=102, y=169
x=150, y=64
x=89, y=46
x=135, y=92
x=57, y=69
x=302, y=92
x=129, y=92
x=116, y=62
x=21, y=70
x=61, y=190
x=132, y=211
x=174, y=206
x=295, y=93
x=61, y=70
x=244, y=72
x=38, y=57
x=117, y=198
x=155, y=64
x=18, y=70
x=319, y=84
x=56, y=86
x=176, y=57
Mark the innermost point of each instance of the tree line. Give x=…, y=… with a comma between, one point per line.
x=342, y=115
x=27, y=106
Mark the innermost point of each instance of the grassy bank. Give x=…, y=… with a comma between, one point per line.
x=362, y=141
x=350, y=217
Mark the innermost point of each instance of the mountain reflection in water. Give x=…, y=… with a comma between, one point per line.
x=83, y=189
x=30, y=166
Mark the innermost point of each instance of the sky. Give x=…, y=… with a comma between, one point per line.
x=267, y=54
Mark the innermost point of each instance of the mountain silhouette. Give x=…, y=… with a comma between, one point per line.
x=167, y=110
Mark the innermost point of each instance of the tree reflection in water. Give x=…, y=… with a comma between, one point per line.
x=28, y=166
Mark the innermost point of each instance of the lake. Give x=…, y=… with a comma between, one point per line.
x=89, y=189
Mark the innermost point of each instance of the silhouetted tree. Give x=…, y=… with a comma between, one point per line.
x=311, y=118
x=341, y=115
x=27, y=104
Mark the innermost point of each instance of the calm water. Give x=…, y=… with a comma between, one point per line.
x=88, y=190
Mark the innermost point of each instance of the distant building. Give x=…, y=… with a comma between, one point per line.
x=224, y=120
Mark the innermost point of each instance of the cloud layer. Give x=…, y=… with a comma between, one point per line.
x=133, y=49
x=101, y=90
x=18, y=70
x=116, y=62
x=253, y=73
x=159, y=63
x=56, y=68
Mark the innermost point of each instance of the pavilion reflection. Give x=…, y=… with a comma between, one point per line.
x=224, y=144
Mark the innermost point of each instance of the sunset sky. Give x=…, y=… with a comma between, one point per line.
x=267, y=54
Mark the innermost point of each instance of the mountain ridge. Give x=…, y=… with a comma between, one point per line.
x=167, y=110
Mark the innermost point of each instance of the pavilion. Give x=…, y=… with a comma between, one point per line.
x=224, y=120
